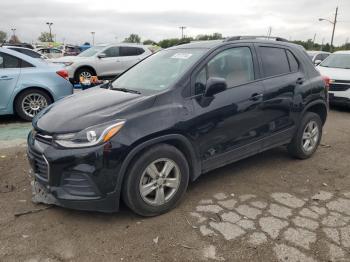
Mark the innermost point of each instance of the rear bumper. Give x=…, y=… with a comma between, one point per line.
x=82, y=179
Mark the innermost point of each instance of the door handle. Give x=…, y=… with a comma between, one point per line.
x=300, y=80
x=255, y=97
x=6, y=78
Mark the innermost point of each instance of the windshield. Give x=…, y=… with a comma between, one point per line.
x=159, y=71
x=337, y=61
x=91, y=51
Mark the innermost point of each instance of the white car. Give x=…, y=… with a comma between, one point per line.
x=317, y=56
x=337, y=68
x=105, y=61
x=50, y=52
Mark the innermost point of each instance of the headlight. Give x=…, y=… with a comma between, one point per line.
x=90, y=136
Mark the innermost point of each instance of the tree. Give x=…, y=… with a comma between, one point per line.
x=165, y=43
x=44, y=37
x=133, y=38
x=214, y=36
x=3, y=36
x=149, y=42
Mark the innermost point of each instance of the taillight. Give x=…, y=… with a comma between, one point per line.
x=63, y=73
x=327, y=81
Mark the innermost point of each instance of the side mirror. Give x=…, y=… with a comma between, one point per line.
x=214, y=86
x=317, y=62
x=101, y=55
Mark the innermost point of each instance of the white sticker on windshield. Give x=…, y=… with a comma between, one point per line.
x=181, y=56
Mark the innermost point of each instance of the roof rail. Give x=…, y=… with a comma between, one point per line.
x=235, y=38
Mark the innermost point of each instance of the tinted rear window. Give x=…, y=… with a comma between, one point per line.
x=274, y=61
x=130, y=51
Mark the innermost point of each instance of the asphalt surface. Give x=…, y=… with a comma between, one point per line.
x=269, y=207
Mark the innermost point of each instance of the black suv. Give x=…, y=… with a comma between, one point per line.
x=177, y=114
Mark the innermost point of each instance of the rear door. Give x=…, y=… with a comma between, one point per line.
x=108, y=66
x=129, y=55
x=9, y=74
x=282, y=75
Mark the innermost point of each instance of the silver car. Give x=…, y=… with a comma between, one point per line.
x=104, y=61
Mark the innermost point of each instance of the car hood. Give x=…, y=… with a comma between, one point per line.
x=335, y=73
x=87, y=108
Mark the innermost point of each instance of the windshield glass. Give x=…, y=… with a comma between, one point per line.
x=91, y=51
x=337, y=61
x=159, y=71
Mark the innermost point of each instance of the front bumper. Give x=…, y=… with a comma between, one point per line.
x=336, y=99
x=83, y=179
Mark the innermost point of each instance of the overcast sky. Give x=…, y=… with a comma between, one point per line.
x=113, y=20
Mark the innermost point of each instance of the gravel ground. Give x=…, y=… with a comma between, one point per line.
x=269, y=207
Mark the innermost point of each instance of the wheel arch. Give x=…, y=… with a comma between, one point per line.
x=30, y=88
x=176, y=140
x=318, y=107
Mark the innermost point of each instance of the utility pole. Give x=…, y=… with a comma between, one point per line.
x=13, y=31
x=182, y=28
x=313, y=41
x=93, y=38
x=50, y=24
x=269, y=32
x=334, y=23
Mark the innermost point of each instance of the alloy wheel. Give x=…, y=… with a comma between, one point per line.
x=310, y=136
x=160, y=181
x=33, y=103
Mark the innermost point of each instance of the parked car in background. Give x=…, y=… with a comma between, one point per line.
x=51, y=52
x=317, y=56
x=70, y=50
x=26, y=45
x=26, y=51
x=179, y=113
x=337, y=68
x=105, y=61
x=27, y=85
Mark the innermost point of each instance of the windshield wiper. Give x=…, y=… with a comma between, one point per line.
x=126, y=90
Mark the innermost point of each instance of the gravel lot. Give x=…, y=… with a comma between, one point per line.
x=269, y=207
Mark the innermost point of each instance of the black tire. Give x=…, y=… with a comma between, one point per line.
x=131, y=186
x=82, y=70
x=295, y=148
x=19, y=100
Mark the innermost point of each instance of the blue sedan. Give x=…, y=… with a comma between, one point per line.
x=27, y=85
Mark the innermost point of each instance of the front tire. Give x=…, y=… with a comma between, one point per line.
x=307, y=138
x=156, y=181
x=31, y=102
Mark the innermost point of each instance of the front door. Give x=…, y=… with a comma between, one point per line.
x=9, y=74
x=108, y=66
x=228, y=125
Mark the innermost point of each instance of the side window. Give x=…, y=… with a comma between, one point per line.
x=235, y=65
x=324, y=56
x=274, y=61
x=129, y=51
x=112, y=51
x=293, y=63
x=9, y=61
x=25, y=64
x=30, y=53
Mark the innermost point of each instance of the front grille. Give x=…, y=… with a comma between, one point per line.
x=39, y=163
x=338, y=87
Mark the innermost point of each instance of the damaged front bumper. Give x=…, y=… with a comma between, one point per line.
x=82, y=179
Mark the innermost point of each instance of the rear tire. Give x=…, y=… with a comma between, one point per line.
x=30, y=102
x=152, y=188
x=307, y=138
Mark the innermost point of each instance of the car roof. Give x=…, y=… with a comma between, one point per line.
x=216, y=43
x=122, y=44
x=314, y=52
x=17, y=47
x=345, y=52
x=31, y=60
